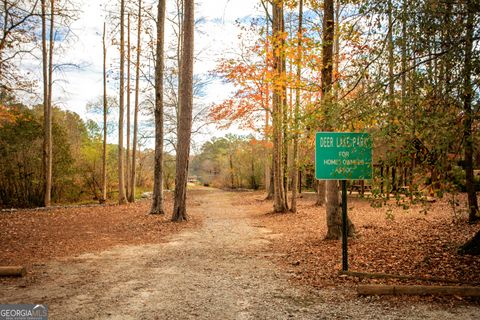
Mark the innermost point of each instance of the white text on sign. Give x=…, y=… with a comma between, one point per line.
x=345, y=142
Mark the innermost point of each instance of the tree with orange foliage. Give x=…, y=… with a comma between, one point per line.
x=250, y=76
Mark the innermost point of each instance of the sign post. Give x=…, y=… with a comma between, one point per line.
x=344, y=227
x=343, y=156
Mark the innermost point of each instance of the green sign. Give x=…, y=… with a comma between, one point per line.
x=343, y=156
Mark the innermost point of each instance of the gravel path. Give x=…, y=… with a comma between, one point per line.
x=220, y=271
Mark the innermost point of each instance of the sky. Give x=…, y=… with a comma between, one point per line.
x=76, y=86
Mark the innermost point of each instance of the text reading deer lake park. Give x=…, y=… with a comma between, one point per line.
x=343, y=156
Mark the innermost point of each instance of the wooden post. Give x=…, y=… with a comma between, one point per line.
x=344, y=227
x=369, y=275
x=418, y=290
x=13, y=271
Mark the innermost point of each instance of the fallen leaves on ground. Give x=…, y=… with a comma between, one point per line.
x=391, y=239
x=35, y=236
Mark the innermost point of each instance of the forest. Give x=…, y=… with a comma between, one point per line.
x=174, y=116
x=406, y=72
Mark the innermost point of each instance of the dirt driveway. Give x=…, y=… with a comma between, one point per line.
x=219, y=271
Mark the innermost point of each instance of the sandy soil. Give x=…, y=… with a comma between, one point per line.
x=221, y=270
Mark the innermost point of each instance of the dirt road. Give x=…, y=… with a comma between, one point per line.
x=220, y=271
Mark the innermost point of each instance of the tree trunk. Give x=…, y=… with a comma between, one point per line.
x=411, y=179
x=446, y=40
x=232, y=176
x=296, y=115
x=403, y=79
x=180, y=9
x=321, y=193
x=268, y=170
x=127, y=157
x=391, y=86
x=394, y=180
x=472, y=246
x=47, y=111
x=391, y=82
x=300, y=181
x=270, y=190
x=157, y=204
x=185, y=121
x=50, y=87
x=133, y=174
x=333, y=208
x=336, y=78
x=253, y=179
x=277, y=108
x=388, y=189
x=334, y=213
x=382, y=178
x=469, y=115
x=105, y=111
x=334, y=218
x=285, y=136
x=121, y=156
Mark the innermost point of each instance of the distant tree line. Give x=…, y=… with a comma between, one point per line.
x=231, y=162
x=77, y=157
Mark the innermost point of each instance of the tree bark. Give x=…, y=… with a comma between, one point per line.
x=127, y=157
x=300, y=181
x=387, y=184
x=277, y=108
x=121, y=169
x=185, y=121
x=50, y=83
x=472, y=246
x=334, y=219
x=321, y=193
x=469, y=115
x=105, y=111
x=232, y=175
x=391, y=80
x=157, y=204
x=180, y=9
x=285, y=121
x=133, y=174
x=268, y=169
x=296, y=129
x=333, y=208
x=336, y=67
x=47, y=111
x=270, y=190
x=403, y=77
